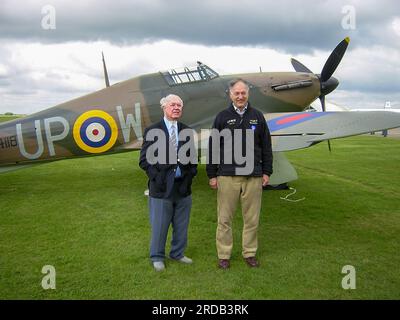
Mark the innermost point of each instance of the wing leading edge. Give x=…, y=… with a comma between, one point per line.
x=297, y=130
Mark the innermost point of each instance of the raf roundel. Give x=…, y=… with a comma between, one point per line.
x=95, y=131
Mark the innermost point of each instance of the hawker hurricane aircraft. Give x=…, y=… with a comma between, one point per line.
x=113, y=119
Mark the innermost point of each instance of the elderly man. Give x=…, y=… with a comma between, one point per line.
x=170, y=180
x=229, y=178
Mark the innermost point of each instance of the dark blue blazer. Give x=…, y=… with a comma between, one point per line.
x=162, y=175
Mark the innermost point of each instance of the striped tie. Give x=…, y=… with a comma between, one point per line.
x=172, y=138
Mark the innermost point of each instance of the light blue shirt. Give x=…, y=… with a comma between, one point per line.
x=169, y=124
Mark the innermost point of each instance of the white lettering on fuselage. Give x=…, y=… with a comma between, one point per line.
x=134, y=122
x=21, y=145
x=51, y=138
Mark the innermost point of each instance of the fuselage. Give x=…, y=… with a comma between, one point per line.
x=113, y=119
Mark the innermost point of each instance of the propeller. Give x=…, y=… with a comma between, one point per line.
x=334, y=59
x=328, y=83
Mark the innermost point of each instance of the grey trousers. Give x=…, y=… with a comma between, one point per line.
x=173, y=211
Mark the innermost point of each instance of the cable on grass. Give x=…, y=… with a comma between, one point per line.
x=291, y=194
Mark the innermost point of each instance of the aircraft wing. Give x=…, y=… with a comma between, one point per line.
x=297, y=130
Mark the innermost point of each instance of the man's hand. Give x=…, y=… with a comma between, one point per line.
x=265, y=180
x=213, y=183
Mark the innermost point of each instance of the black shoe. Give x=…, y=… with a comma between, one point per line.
x=223, y=264
x=252, y=262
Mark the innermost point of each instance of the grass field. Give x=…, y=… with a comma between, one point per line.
x=4, y=118
x=89, y=219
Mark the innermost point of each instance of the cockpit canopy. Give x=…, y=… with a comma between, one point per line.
x=187, y=75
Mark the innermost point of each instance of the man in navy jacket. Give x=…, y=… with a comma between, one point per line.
x=228, y=176
x=170, y=174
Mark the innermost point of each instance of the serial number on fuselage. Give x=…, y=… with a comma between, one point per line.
x=8, y=142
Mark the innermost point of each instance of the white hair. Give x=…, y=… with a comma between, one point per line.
x=168, y=98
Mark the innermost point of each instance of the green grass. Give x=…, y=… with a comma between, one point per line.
x=89, y=219
x=4, y=118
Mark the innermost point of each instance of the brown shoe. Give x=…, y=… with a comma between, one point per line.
x=252, y=262
x=223, y=264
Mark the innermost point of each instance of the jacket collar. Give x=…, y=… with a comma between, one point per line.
x=165, y=128
x=231, y=108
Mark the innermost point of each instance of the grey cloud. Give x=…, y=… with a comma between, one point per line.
x=293, y=27
x=4, y=82
x=378, y=85
x=282, y=25
x=358, y=99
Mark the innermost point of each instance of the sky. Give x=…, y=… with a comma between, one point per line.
x=50, y=51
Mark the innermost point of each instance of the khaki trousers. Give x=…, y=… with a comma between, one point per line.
x=230, y=190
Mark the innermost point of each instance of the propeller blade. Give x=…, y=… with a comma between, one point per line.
x=299, y=67
x=334, y=59
x=322, y=99
x=329, y=146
